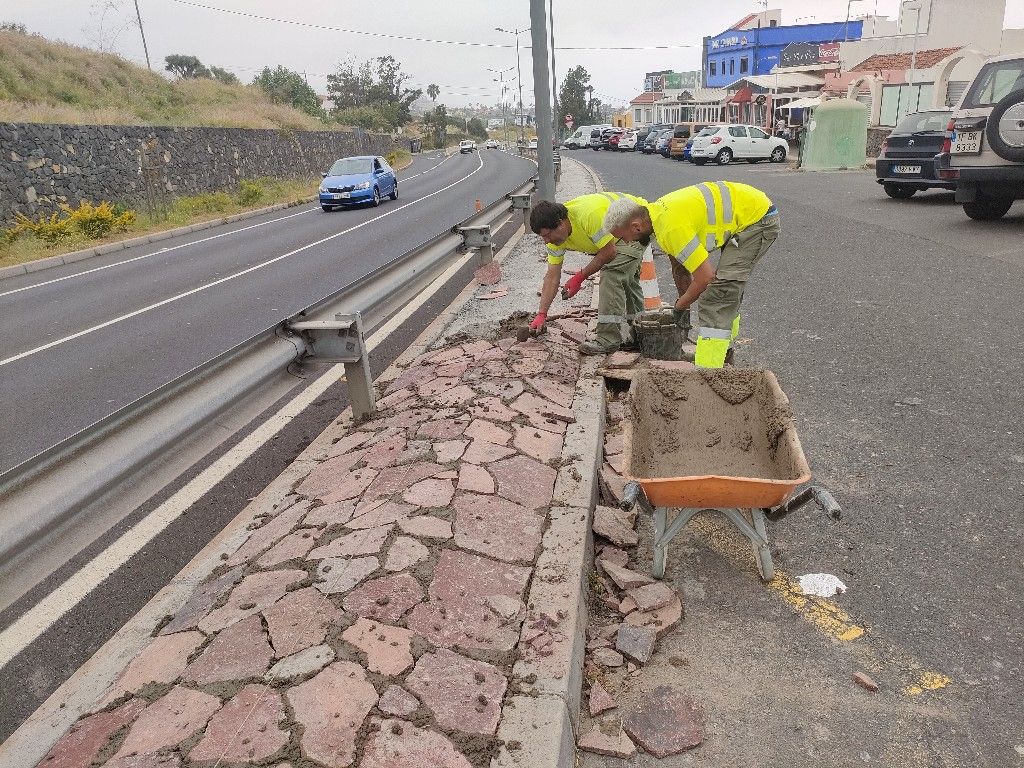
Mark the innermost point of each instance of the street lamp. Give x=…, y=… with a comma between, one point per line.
x=914, y=5
x=501, y=79
x=846, y=29
x=519, y=77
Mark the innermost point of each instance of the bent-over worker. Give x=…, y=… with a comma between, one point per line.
x=578, y=225
x=689, y=224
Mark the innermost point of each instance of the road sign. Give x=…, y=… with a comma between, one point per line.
x=568, y=121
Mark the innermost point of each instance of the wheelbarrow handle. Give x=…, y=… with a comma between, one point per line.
x=819, y=495
x=633, y=494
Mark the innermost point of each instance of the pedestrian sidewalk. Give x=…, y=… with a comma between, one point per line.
x=408, y=593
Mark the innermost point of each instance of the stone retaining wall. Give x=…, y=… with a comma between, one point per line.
x=44, y=165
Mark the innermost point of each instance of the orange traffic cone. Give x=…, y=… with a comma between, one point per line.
x=479, y=206
x=649, y=280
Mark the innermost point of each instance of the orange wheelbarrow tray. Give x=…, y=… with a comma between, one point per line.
x=748, y=499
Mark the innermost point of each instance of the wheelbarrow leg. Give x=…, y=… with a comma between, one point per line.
x=660, y=542
x=762, y=552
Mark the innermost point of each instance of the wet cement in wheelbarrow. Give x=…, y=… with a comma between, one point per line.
x=719, y=422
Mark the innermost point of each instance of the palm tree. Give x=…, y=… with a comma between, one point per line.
x=433, y=92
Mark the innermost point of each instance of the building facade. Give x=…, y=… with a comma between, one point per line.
x=737, y=53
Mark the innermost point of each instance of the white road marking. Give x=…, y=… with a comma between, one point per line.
x=44, y=614
x=205, y=286
x=183, y=245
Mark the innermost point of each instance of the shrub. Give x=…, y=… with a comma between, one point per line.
x=249, y=192
x=98, y=221
x=51, y=230
x=210, y=202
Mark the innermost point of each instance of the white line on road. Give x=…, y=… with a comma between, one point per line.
x=205, y=286
x=44, y=614
x=185, y=245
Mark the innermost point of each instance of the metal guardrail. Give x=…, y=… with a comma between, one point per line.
x=50, y=488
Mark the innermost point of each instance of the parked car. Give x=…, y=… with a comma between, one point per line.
x=599, y=137
x=353, y=180
x=664, y=142
x=612, y=142
x=579, y=139
x=906, y=163
x=467, y=145
x=651, y=140
x=725, y=143
x=533, y=143
x=628, y=141
x=681, y=134
x=491, y=144
x=984, y=150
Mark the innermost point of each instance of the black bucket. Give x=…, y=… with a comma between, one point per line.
x=658, y=336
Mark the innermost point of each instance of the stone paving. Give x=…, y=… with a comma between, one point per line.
x=373, y=617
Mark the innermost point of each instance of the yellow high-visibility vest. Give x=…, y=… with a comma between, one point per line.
x=586, y=216
x=693, y=221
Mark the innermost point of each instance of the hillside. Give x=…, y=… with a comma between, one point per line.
x=47, y=82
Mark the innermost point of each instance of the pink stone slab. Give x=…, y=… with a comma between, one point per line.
x=162, y=661
x=464, y=695
x=442, y=429
x=294, y=546
x=497, y=527
x=264, y=537
x=479, y=429
x=300, y=620
x=331, y=708
x=538, y=443
x=481, y=452
x=378, y=513
x=239, y=652
x=476, y=479
x=458, y=614
x=399, y=744
x=431, y=492
x=395, y=479
x=525, y=481
x=252, y=595
x=332, y=486
x=397, y=701
x=79, y=747
x=369, y=541
x=427, y=527
x=448, y=451
x=386, y=599
x=246, y=729
x=386, y=647
x=168, y=721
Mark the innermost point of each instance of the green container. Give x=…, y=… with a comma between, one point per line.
x=658, y=336
x=836, y=136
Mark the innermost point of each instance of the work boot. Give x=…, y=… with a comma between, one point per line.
x=594, y=347
x=689, y=351
x=729, y=356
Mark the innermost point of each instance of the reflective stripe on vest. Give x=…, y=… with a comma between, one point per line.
x=715, y=333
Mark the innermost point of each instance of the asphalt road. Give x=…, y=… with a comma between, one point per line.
x=78, y=343
x=895, y=329
x=50, y=659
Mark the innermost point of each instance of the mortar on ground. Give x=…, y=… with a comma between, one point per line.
x=657, y=335
x=716, y=438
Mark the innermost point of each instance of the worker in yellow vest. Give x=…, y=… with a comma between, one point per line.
x=688, y=225
x=578, y=225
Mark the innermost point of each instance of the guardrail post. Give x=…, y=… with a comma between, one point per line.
x=341, y=341
x=479, y=239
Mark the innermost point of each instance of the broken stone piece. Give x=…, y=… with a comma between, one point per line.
x=652, y=596
x=600, y=700
x=666, y=722
x=624, y=578
x=621, y=360
x=662, y=619
x=600, y=743
x=864, y=681
x=606, y=657
x=397, y=701
x=609, y=524
x=636, y=642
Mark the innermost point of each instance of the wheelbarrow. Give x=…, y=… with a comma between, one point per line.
x=718, y=440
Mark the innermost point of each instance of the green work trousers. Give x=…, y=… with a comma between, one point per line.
x=718, y=308
x=619, y=295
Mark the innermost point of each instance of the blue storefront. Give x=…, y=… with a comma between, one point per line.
x=737, y=53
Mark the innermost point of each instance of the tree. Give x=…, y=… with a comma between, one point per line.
x=223, y=76
x=13, y=26
x=436, y=120
x=572, y=98
x=433, y=92
x=186, y=67
x=477, y=128
x=377, y=83
x=284, y=86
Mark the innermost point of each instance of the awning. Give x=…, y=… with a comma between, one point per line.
x=802, y=103
x=741, y=96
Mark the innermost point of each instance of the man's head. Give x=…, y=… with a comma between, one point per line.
x=628, y=221
x=551, y=222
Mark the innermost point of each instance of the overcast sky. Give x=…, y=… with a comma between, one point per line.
x=244, y=45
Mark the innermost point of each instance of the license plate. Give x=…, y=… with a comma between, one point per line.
x=906, y=169
x=344, y=195
x=966, y=143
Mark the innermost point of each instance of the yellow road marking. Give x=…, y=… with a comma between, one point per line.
x=927, y=681
x=819, y=611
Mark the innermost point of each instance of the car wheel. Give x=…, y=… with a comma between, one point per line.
x=394, y=192
x=376, y=197
x=327, y=208
x=988, y=208
x=778, y=155
x=1003, y=131
x=899, y=191
x=724, y=157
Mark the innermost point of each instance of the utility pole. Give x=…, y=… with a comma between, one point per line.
x=143, y=33
x=542, y=101
x=555, y=126
x=519, y=76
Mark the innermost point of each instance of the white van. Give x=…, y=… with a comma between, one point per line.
x=579, y=139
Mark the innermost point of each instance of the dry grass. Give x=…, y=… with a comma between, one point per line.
x=47, y=82
x=185, y=210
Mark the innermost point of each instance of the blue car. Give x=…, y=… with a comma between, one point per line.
x=354, y=180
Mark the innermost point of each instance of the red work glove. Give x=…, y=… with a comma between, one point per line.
x=538, y=323
x=573, y=285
